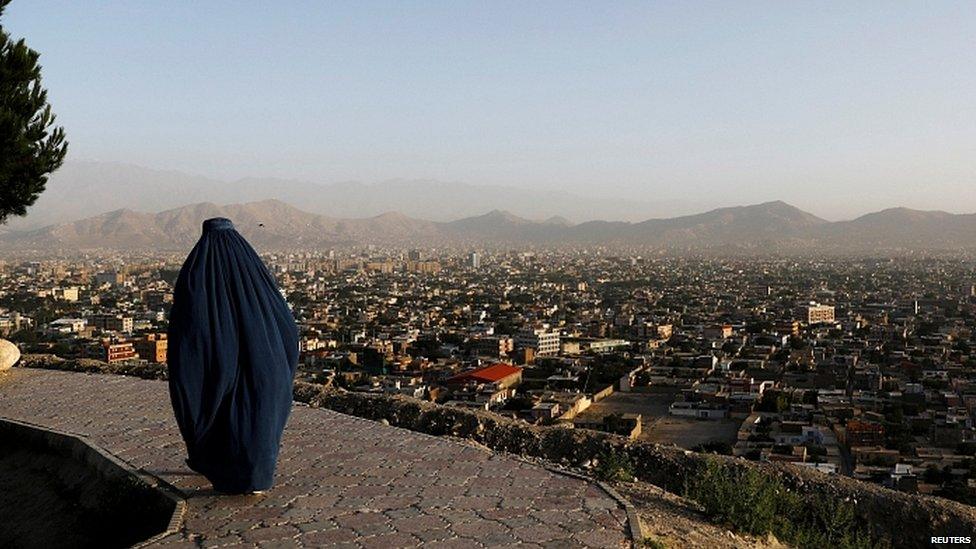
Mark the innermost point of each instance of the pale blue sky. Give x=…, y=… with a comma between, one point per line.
x=839, y=108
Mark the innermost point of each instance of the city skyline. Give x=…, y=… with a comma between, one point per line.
x=840, y=110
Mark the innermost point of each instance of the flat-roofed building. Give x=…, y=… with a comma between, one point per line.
x=13, y=322
x=650, y=330
x=542, y=340
x=424, y=267
x=495, y=346
x=152, y=347
x=815, y=313
x=114, y=278
x=67, y=326
x=67, y=294
x=717, y=331
x=111, y=323
x=122, y=351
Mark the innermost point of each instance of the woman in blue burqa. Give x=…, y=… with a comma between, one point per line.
x=233, y=350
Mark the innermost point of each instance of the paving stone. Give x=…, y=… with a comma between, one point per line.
x=385, y=541
x=435, y=534
x=270, y=533
x=419, y=523
x=327, y=537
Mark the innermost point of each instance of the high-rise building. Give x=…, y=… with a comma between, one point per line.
x=542, y=340
x=474, y=260
x=114, y=278
x=424, y=266
x=815, y=313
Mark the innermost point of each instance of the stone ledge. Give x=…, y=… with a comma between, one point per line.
x=92, y=366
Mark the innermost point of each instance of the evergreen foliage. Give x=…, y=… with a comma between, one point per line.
x=31, y=147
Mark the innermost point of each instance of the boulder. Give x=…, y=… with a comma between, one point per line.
x=9, y=354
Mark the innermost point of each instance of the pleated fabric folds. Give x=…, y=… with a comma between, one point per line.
x=233, y=350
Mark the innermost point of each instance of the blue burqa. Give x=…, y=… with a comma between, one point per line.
x=233, y=350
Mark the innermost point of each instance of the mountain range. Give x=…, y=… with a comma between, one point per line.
x=82, y=189
x=774, y=227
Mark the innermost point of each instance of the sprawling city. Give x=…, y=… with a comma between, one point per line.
x=856, y=367
x=476, y=275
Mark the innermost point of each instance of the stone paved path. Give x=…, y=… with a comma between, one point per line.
x=342, y=480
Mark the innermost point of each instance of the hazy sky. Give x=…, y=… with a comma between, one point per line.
x=839, y=108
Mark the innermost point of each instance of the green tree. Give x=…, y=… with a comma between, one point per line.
x=31, y=147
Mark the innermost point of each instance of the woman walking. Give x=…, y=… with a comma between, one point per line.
x=233, y=350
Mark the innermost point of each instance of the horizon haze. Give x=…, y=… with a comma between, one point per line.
x=773, y=227
x=81, y=190
x=664, y=109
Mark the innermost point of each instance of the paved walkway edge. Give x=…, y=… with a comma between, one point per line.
x=107, y=464
x=634, y=524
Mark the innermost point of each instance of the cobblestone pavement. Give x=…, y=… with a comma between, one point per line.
x=342, y=481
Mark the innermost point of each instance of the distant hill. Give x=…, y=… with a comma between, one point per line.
x=84, y=189
x=502, y=226
x=900, y=228
x=273, y=224
x=742, y=225
x=269, y=224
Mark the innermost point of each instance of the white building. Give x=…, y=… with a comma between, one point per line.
x=541, y=339
x=815, y=313
x=67, y=325
x=67, y=294
x=700, y=410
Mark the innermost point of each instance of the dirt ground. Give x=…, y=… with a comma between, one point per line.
x=659, y=427
x=689, y=432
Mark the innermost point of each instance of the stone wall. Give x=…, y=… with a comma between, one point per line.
x=600, y=395
x=91, y=366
